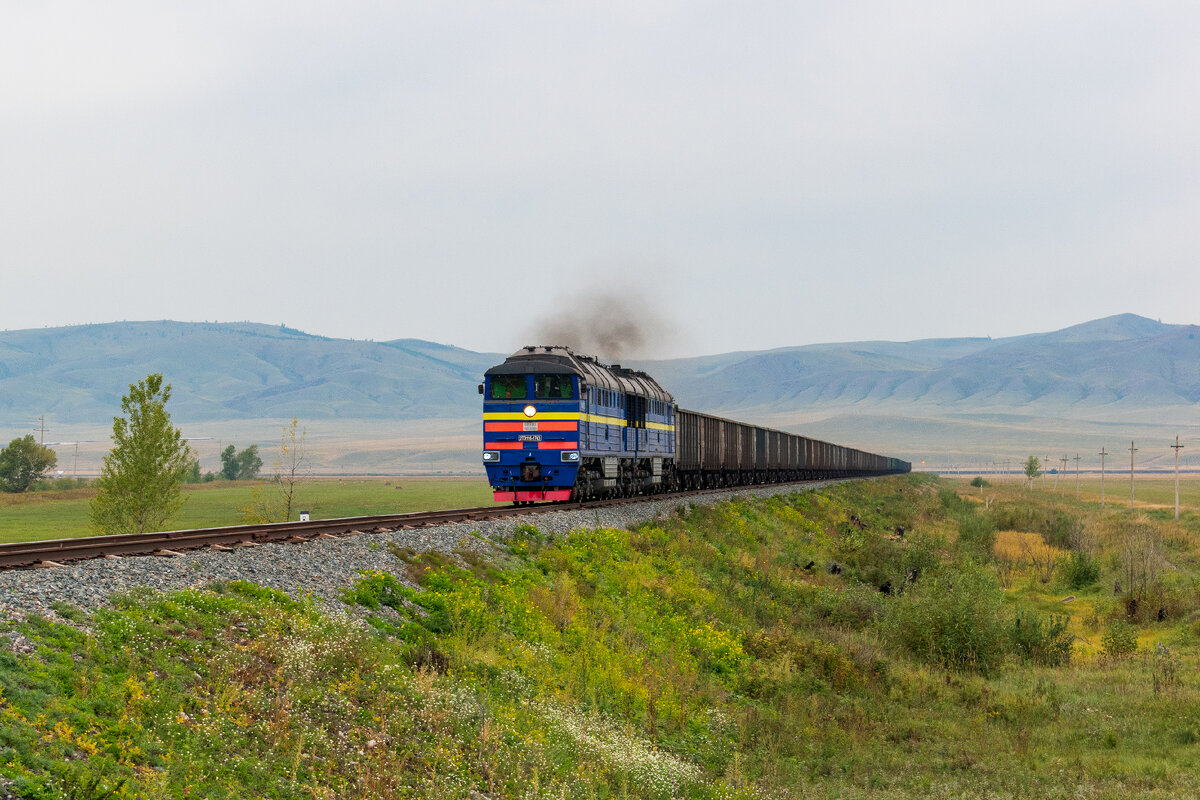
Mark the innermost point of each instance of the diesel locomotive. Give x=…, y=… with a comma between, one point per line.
x=561, y=426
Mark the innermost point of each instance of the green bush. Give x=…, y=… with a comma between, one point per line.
x=1120, y=640
x=1048, y=643
x=1080, y=570
x=976, y=536
x=951, y=618
x=952, y=503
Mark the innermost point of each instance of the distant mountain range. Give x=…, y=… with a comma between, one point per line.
x=1082, y=383
x=223, y=371
x=1106, y=369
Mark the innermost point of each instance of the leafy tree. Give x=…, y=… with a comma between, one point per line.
x=240, y=466
x=229, y=465
x=248, y=463
x=192, y=474
x=1033, y=465
x=23, y=462
x=140, y=481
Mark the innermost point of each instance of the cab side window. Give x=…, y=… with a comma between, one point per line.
x=553, y=387
x=508, y=387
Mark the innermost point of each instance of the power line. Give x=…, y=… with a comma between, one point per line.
x=1132, y=450
x=1102, y=454
x=1177, y=447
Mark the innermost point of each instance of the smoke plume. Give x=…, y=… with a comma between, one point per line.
x=608, y=325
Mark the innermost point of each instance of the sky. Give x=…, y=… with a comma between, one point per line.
x=740, y=176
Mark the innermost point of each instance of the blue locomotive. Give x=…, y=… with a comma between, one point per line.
x=561, y=426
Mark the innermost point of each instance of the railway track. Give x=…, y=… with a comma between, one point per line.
x=56, y=552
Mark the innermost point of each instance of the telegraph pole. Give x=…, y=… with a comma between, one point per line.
x=1077, y=476
x=1102, y=454
x=1063, y=491
x=1177, y=447
x=1132, y=450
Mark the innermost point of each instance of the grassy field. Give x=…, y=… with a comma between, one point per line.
x=1149, y=492
x=60, y=515
x=886, y=639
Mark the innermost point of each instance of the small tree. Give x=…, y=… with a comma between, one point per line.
x=1033, y=466
x=277, y=505
x=141, y=479
x=23, y=462
x=289, y=469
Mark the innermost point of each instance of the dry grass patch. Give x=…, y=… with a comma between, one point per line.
x=1023, y=548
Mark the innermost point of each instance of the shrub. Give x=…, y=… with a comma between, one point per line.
x=951, y=618
x=976, y=536
x=1119, y=640
x=1080, y=570
x=951, y=502
x=1048, y=643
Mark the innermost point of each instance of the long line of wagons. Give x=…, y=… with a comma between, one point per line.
x=561, y=426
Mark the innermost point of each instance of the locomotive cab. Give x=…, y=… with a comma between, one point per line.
x=561, y=426
x=531, y=427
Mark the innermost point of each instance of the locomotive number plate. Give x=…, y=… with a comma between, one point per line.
x=530, y=426
x=530, y=437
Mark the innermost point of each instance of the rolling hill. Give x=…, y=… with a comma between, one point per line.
x=959, y=399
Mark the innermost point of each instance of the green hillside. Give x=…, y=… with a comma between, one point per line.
x=786, y=648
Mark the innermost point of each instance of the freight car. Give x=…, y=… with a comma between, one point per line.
x=562, y=426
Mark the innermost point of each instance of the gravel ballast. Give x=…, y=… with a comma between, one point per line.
x=322, y=567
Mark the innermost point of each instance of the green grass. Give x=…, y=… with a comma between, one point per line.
x=698, y=655
x=60, y=515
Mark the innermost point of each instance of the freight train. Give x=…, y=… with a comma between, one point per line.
x=560, y=426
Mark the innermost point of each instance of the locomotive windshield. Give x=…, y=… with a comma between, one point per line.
x=553, y=387
x=508, y=387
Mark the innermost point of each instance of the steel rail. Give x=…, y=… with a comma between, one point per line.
x=55, y=552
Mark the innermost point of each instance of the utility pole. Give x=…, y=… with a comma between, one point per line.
x=1132, y=450
x=42, y=425
x=1063, y=492
x=1102, y=454
x=1045, y=471
x=1077, y=476
x=1177, y=447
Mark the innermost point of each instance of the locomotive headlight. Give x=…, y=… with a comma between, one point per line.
x=491, y=456
x=530, y=411
x=572, y=456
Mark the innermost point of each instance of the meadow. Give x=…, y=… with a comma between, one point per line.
x=904, y=637
x=64, y=514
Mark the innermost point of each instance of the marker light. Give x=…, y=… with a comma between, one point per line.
x=571, y=456
x=491, y=456
x=530, y=411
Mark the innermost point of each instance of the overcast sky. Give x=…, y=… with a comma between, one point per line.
x=759, y=174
